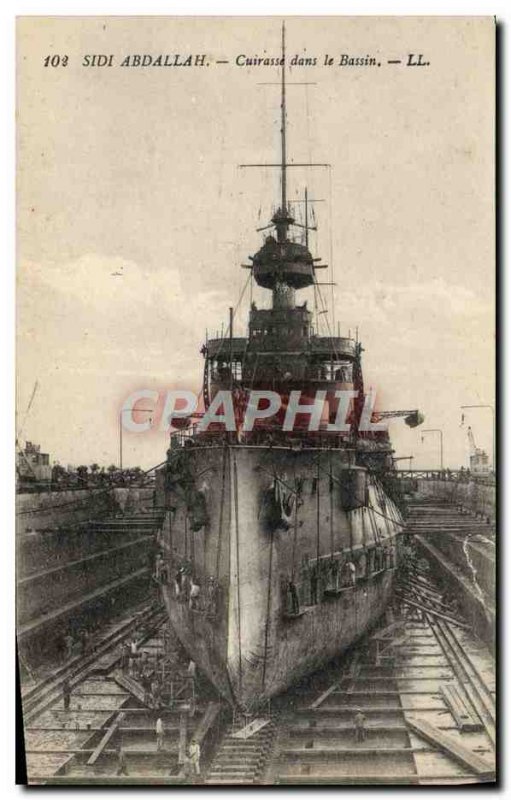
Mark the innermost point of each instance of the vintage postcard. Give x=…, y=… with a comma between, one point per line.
x=255, y=439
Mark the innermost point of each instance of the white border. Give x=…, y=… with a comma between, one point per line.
x=8, y=12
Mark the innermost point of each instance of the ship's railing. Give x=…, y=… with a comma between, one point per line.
x=447, y=475
x=262, y=436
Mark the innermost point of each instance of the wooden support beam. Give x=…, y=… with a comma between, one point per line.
x=131, y=685
x=324, y=695
x=253, y=727
x=350, y=673
x=106, y=738
x=183, y=735
x=206, y=721
x=452, y=747
x=463, y=713
x=428, y=610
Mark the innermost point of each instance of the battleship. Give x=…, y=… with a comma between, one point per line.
x=279, y=546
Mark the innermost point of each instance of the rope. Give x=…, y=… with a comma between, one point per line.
x=331, y=489
x=362, y=502
x=238, y=588
x=221, y=519
x=331, y=247
x=295, y=532
x=317, y=515
x=268, y=608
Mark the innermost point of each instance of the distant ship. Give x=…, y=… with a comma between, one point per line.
x=279, y=547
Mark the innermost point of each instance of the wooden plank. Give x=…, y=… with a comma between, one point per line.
x=183, y=733
x=131, y=685
x=253, y=727
x=448, y=744
x=428, y=610
x=349, y=674
x=106, y=738
x=206, y=721
x=324, y=696
x=465, y=717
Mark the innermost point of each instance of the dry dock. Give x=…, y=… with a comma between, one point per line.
x=413, y=702
x=424, y=684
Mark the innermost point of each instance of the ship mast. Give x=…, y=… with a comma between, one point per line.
x=283, y=122
x=282, y=218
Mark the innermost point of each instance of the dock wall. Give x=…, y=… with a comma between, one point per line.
x=473, y=495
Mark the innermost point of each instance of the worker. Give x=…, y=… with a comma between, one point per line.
x=155, y=693
x=185, y=583
x=178, y=583
x=314, y=584
x=360, y=726
x=122, y=766
x=69, y=645
x=86, y=642
x=293, y=596
x=159, y=734
x=125, y=656
x=351, y=573
x=194, y=595
x=145, y=681
x=333, y=574
x=192, y=669
x=136, y=668
x=212, y=596
x=194, y=755
x=305, y=579
x=158, y=566
x=167, y=640
x=66, y=694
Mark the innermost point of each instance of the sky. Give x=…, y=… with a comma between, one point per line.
x=133, y=216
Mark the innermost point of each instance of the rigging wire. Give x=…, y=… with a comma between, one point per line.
x=331, y=247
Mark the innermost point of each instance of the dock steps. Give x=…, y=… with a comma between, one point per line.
x=242, y=760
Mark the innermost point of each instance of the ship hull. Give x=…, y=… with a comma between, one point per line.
x=245, y=629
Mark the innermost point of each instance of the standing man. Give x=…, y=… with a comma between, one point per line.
x=194, y=754
x=192, y=670
x=159, y=734
x=194, y=595
x=66, y=694
x=125, y=656
x=305, y=579
x=293, y=594
x=69, y=645
x=360, y=726
x=351, y=573
x=122, y=766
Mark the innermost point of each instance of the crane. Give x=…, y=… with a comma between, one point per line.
x=19, y=448
x=478, y=458
x=413, y=417
x=471, y=443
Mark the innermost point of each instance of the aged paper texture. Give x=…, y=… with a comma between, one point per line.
x=256, y=400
